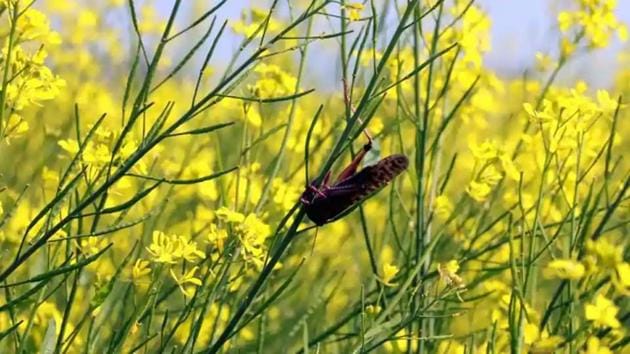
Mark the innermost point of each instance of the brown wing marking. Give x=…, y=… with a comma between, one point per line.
x=373, y=178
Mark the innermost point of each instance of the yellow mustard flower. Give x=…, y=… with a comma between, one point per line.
x=273, y=81
x=448, y=273
x=544, y=116
x=284, y=194
x=251, y=21
x=373, y=309
x=187, y=282
x=230, y=216
x=140, y=269
x=389, y=272
x=187, y=250
x=34, y=25
x=217, y=236
x=564, y=269
x=443, y=207
x=621, y=278
x=487, y=150
x=400, y=343
x=544, y=62
x=603, y=312
x=16, y=126
x=253, y=117
x=510, y=169
x=250, y=230
x=92, y=245
x=540, y=342
x=253, y=233
x=479, y=191
x=595, y=346
x=490, y=175
x=162, y=248
x=606, y=103
x=354, y=10
x=608, y=254
x=567, y=47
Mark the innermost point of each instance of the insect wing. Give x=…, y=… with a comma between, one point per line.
x=372, y=178
x=354, y=189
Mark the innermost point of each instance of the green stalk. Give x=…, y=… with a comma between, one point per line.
x=7, y=65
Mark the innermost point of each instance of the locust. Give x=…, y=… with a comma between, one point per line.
x=326, y=202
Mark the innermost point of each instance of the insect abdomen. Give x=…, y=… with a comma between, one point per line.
x=379, y=175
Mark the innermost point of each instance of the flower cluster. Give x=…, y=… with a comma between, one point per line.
x=251, y=232
x=27, y=80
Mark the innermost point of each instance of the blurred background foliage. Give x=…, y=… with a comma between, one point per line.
x=153, y=154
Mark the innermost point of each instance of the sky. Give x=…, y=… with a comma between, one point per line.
x=520, y=28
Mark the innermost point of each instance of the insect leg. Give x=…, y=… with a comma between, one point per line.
x=317, y=190
x=326, y=181
x=354, y=165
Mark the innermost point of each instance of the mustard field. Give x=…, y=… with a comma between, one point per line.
x=310, y=176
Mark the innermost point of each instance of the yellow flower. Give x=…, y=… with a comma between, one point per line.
x=252, y=233
x=564, y=269
x=606, y=104
x=490, y=175
x=250, y=230
x=595, y=19
x=186, y=281
x=602, y=312
x=230, y=216
x=448, y=273
x=479, y=191
x=373, y=309
x=253, y=117
x=284, y=194
x=354, y=10
x=443, y=207
x=594, y=346
x=217, y=236
x=400, y=343
x=544, y=116
x=565, y=21
x=187, y=250
x=162, y=248
x=251, y=21
x=487, y=150
x=540, y=342
x=567, y=47
x=608, y=254
x=544, y=62
x=16, y=126
x=509, y=167
x=140, y=269
x=389, y=272
x=273, y=81
x=621, y=278
x=34, y=25
x=69, y=145
x=92, y=245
